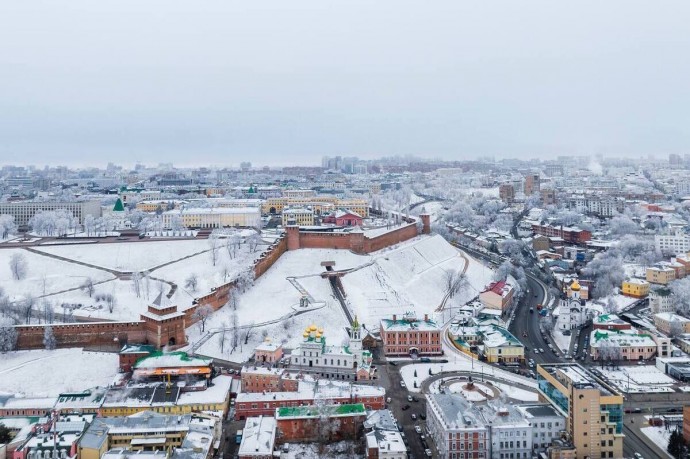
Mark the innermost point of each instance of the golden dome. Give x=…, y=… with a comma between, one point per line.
x=305, y=334
x=318, y=335
x=312, y=328
x=575, y=287
x=321, y=331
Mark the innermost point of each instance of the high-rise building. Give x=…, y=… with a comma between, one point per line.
x=593, y=409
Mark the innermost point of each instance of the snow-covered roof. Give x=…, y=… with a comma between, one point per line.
x=172, y=359
x=258, y=437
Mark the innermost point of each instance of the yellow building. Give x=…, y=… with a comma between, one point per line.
x=660, y=275
x=636, y=288
x=213, y=217
x=298, y=216
x=500, y=346
x=319, y=204
x=147, y=431
x=158, y=398
x=593, y=410
x=159, y=204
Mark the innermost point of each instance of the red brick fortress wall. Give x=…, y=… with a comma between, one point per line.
x=107, y=334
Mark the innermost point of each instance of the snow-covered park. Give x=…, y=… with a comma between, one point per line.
x=22, y=372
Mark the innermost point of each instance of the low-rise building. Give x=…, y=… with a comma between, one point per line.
x=385, y=444
x=498, y=295
x=610, y=322
x=268, y=352
x=671, y=324
x=637, y=288
x=308, y=391
x=410, y=336
x=300, y=216
x=660, y=275
x=213, y=217
x=661, y=300
x=258, y=438
x=621, y=345
x=547, y=424
x=323, y=422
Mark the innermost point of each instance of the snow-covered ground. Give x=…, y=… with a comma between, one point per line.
x=411, y=278
x=640, y=378
x=457, y=364
x=130, y=256
x=561, y=340
x=43, y=373
x=44, y=275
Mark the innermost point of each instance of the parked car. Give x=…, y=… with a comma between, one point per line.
x=402, y=384
x=422, y=416
x=415, y=399
x=428, y=453
x=405, y=407
x=409, y=398
x=418, y=429
x=388, y=400
x=425, y=360
x=413, y=416
x=392, y=363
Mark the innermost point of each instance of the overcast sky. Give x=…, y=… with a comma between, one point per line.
x=287, y=81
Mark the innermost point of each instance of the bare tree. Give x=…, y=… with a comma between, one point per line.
x=201, y=315
x=222, y=336
x=214, y=246
x=232, y=245
x=192, y=282
x=48, y=312
x=453, y=282
x=110, y=301
x=249, y=332
x=235, y=331
x=49, y=340
x=88, y=286
x=26, y=307
x=18, y=266
x=254, y=241
x=136, y=283
x=676, y=329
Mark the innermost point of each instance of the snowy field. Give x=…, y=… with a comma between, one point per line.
x=130, y=256
x=185, y=258
x=44, y=275
x=411, y=278
x=26, y=372
x=639, y=379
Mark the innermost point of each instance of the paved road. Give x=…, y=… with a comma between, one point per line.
x=636, y=442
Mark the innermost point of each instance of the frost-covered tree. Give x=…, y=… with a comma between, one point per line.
x=136, y=283
x=8, y=336
x=621, y=224
x=49, y=340
x=7, y=226
x=245, y=280
x=89, y=225
x=18, y=266
x=607, y=271
x=254, y=240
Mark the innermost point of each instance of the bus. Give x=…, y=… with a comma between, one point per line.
x=238, y=437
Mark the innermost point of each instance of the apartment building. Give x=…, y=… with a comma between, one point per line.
x=593, y=410
x=661, y=300
x=300, y=216
x=23, y=211
x=637, y=288
x=213, y=217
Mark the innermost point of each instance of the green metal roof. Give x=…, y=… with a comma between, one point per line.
x=318, y=411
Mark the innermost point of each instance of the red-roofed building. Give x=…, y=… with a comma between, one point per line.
x=497, y=295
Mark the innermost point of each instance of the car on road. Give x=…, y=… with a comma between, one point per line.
x=409, y=398
x=536, y=351
x=541, y=350
x=428, y=453
x=392, y=363
x=388, y=400
x=413, y=416
x=425, y=360
x=405, y=407
x=422, y=416
x=638, y=456
x=418, y=429
x=402, y=384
